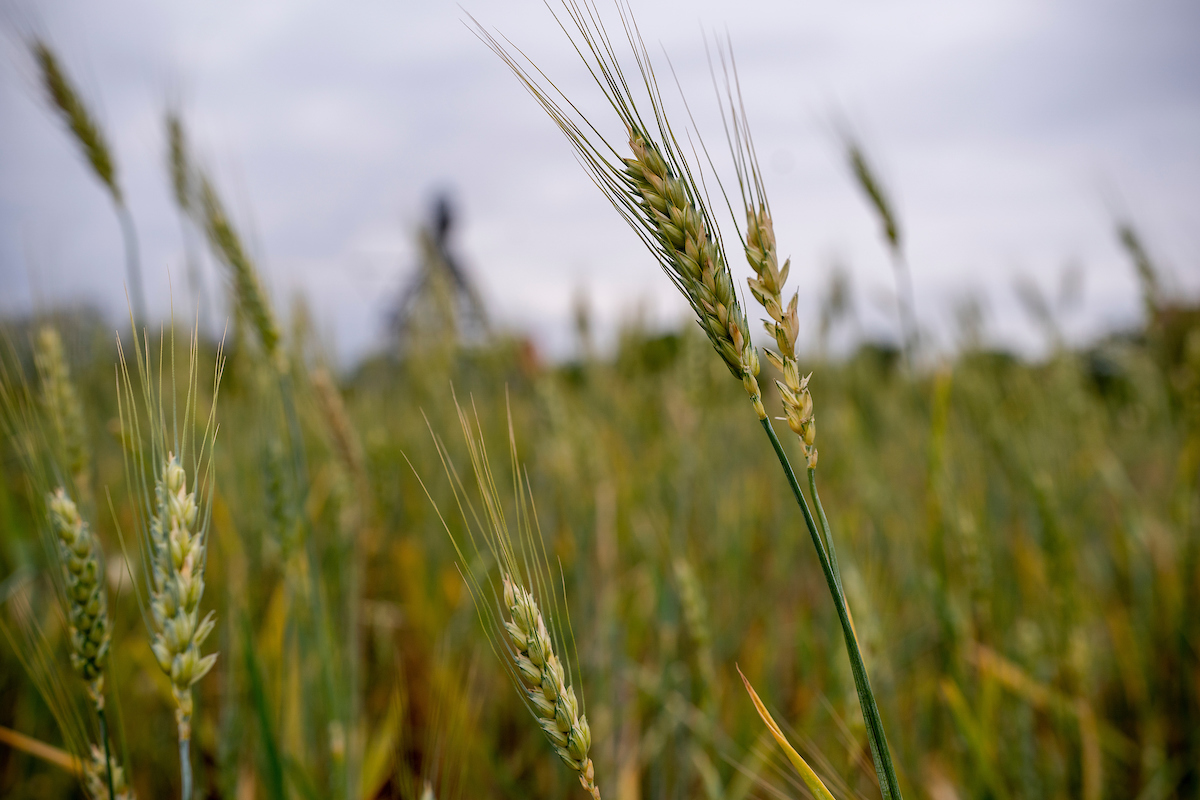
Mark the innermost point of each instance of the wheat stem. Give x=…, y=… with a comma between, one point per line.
x=133, y=263
x=108, y=772
x=888, y=783
x=185, y=768
x=833, y=562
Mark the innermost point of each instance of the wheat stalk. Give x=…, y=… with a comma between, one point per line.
x=767, y=288
x=176, y=521
x=655, y=191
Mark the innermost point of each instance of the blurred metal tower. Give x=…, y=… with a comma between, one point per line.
x=439, y=299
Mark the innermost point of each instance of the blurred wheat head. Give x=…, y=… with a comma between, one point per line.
x=525, y=618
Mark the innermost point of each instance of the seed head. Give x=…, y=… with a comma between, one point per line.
x=177, y=575
x=83, y=126
x=62, y=403
x=544, y=679
x=225, y=241
x=690, y=248
x=87, y=603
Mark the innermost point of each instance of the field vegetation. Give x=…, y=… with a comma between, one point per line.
x=231, y=569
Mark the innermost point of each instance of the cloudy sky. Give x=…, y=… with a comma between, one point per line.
x=1010, y=133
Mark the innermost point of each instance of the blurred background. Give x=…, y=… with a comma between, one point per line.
x=1011, y=136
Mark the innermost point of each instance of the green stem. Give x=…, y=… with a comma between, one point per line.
x=833, y=562
x=133, y=266
x=112, y=795
x=907, y=303
x=185, y=767
x=889, y=786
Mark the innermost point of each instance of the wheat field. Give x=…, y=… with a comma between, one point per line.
x=232, y=569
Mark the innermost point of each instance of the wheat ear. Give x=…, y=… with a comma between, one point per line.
x=655, y=190
x=226, y=243
x=783, y=325
x=671, y=210
x=551, y=698
x=881, y=202
x=174, y=523
x=75, y=113
x=513, y=618
x=82, y=563
x=61, y=400
x=177, y=584
x=87, y=602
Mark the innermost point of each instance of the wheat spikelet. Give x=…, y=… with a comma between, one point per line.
x=62, y=402
x=87, y=602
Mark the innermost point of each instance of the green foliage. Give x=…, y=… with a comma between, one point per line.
x=1011, y=530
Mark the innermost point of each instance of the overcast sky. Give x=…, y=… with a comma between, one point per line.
x=1010, y=134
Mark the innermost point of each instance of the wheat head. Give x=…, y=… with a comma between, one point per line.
x=225, y=241
x=551, y=698
x=61, y=400
x=87, y=601
x=177, y=584
x=79, y=119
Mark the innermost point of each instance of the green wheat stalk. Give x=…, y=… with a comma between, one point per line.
x=658, y=194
